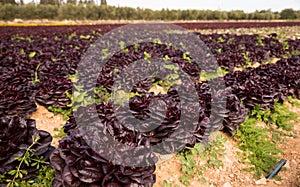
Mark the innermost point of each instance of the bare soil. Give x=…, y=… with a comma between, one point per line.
x=232, y=174
x=47, y=121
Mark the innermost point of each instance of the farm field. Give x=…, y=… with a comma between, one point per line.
x=238, y=145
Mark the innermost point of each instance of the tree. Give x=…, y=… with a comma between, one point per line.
x=298, y=14
x=288, y=13
x=72, y=2
x=89, y=2
x=103, y=2
x=237, y=15
x=8, y=2
x=49, y=2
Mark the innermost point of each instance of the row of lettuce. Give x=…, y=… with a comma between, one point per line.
x=37, y=69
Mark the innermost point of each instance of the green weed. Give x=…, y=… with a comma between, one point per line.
x=59, y=133
x=64, y=112
x=211, y=154
x=259, y=143
x=247, y=60
x=258, y=149
x=259, y=41
x=42, y=178
x=281, y=116
x=186, y=57
x=36, y=76
x=294, y=102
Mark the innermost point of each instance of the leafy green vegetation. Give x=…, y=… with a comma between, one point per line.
x=101, y=93
x=207, y=76
x=295, y=52
x=123, y=47
x=120, y=96
x=136, y=47
x=73, y=77
x=211, y=155
x=258, y=142
x=259, y=41
x=230, y=41
x=105, y=54
x=65, y=112
x=87, y=37
x=59, y=133
x=19, y=38
x=170, y=79
x=219, y=50
x=36, y=76
x=166, y=58
x=80, y=98
x=294, y=102
x=220, y=40
x=42, y=178
x=32, y=54
x=72, y=36
x=157, y=41
x=186, y=57
x=22, y=52
x=147, y=55
x=281, y=116
x=167, y=184
x=247, y=59
x=257, y=147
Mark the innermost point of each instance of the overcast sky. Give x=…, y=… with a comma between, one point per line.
x=246, y=5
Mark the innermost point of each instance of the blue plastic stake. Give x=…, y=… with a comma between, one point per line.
x=276, y=169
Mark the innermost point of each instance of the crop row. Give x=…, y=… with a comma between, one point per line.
x=38, y=69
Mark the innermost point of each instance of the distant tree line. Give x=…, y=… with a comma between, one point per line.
x=99, y=10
